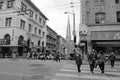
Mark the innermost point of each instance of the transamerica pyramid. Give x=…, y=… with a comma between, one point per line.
x=69, y=43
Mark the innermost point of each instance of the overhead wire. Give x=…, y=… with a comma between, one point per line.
x=59, y=7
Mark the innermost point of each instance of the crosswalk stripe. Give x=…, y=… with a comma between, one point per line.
x=70, y=71
x=81, y=76
x=87, y=68
x=87, y=71
x=91, y=77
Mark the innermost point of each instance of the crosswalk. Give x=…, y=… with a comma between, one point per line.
x=69, y=72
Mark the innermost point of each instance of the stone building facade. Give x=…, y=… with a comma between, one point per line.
x=102, y=18
x=22, y=27
x=51, y=43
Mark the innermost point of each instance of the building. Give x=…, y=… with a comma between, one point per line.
x=69, y=44
x=61, y=45
x=103, y=22
x=22, y=27
x=51, y=43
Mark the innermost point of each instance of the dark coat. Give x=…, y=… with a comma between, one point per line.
x=78, y=60
x=112, y=57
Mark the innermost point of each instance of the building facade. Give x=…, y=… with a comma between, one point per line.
x=61, y=45
x=51, y=43
x=103, y=22
x=22, y=27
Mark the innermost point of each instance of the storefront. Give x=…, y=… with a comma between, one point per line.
x=106, y=41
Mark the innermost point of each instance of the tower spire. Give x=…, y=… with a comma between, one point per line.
x=68, y=33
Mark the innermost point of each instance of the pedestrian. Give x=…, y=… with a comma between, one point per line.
x=92, y=60
x=101, y=61
x=28, y=55
x=78, y=59
x=58, y=57
x=112, y=59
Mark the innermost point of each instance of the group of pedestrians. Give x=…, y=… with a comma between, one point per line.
x=95, y=59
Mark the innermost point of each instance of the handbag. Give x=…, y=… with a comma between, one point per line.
x=99, y=62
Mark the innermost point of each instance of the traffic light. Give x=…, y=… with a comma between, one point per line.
x=74, y=39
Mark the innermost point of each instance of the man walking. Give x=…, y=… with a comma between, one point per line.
x=101, y=61
x=78, y=59
x=91, y=60
x=112, y=59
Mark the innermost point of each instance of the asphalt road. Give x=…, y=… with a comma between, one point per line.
x=23, y=69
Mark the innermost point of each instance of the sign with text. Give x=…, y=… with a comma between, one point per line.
x=105, y=35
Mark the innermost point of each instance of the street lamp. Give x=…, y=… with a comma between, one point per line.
x=74, y=32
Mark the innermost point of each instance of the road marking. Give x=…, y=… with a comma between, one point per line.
x=87, y=71
x=70, y=72
x=81, y=76
x=91, y=77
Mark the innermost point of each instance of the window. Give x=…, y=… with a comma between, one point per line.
x=31, y=13
x=23, y=7
x=117, y=1
x=36, y=17
x=99, y=17
x=22, y=24
x=10, y=4
x=44, y=23
x=39, y=32
x=43, y=44
x=30, y=28
x=43, y=34
x=35, y=30
x=40, y=20
x=39, y=43
x=8, y=21
x=1, y=5
x=99, y=2
x=118, y=16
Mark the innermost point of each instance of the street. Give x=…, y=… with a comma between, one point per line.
x=23, y=69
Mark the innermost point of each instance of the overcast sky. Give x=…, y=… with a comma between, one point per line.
x=54, y=11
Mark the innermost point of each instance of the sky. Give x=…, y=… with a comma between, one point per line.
x=55, y=10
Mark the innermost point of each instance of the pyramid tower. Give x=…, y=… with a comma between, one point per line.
x=69, y=43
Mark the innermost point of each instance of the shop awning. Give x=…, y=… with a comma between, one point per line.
x=107, y=43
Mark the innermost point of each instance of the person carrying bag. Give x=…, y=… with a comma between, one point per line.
x=101, y=61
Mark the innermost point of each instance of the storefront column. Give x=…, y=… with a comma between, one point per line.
x=14, y=53
x=89, y=47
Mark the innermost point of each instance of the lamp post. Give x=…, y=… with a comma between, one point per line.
x=74, y=32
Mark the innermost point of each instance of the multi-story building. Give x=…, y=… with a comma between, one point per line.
x=22, y=27
x=61, y=45
x=103, y=20
x=51, y=41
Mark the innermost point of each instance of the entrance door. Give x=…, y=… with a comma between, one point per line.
x=20, y=51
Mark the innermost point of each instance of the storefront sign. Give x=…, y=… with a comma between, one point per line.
x=105, y=35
